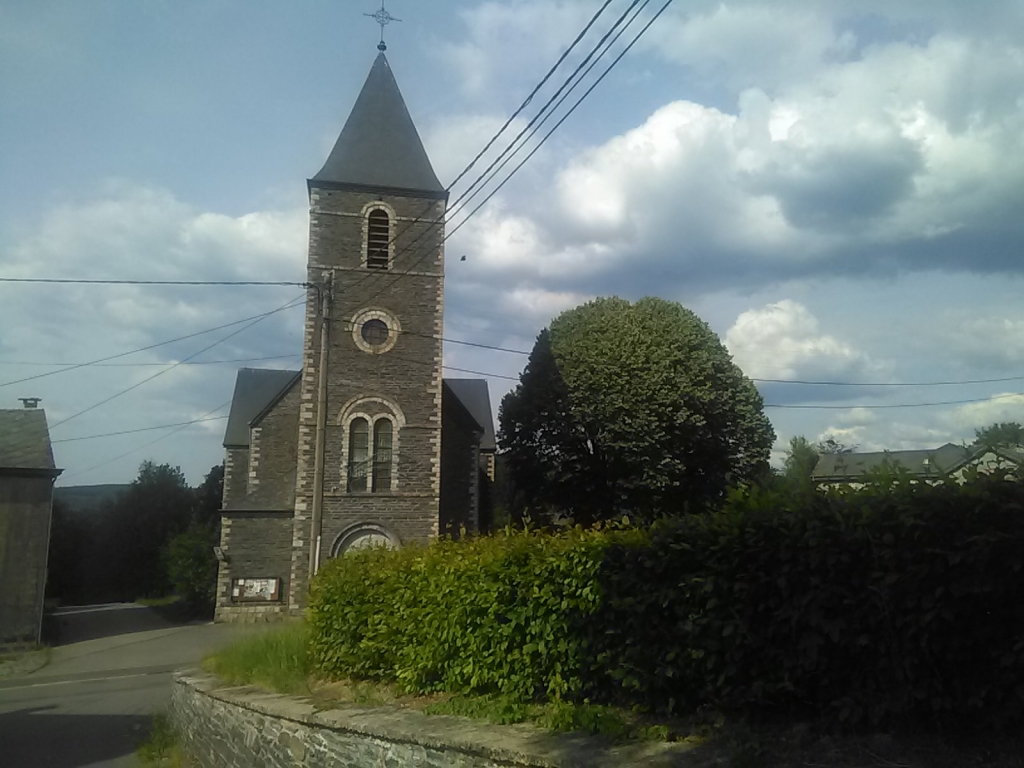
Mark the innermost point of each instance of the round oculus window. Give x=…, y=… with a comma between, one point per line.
x=375, y=332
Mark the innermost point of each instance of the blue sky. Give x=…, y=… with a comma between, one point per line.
x=835, y=186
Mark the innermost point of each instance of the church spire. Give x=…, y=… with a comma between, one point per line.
x=379, y=147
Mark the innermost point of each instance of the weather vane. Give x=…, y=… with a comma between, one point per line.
x=383, y=18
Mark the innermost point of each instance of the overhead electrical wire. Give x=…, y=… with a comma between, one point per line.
x=557, y=125
x=141, y=349
x=881, y=406
x=103, y=281
x=186, y=425
x=180, y=362
x=434, y=223
x=142, y=365
x=428, y=252
x=557, y=99
x=140, y=429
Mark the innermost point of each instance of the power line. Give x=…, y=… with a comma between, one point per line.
x=141, y=429
x=140, y=349
x=565, y=117
x=898, y=405
x=147, y=445
x=558, y=98
x=82, y=281
x=890, y=383
x=544, y=110
x=142, y=365
x=175, y=365
x=439, y=221
x=532, y=93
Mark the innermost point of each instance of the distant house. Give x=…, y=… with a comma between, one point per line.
x=934, y=464
x=27, y=473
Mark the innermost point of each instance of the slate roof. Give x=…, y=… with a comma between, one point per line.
x=255, y=390
x=937, y=461
x=379, y=146
x=476, y=399
x=25, y=440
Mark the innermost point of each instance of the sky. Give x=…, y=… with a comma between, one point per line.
x=835, y=187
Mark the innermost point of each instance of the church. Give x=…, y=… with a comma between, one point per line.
x=368, y=444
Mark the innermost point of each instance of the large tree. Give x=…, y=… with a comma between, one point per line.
x=630, y=409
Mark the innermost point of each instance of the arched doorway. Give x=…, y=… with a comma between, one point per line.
x=363, y=536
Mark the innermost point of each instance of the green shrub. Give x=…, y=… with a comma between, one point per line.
x=500, y=614
x=895, y=601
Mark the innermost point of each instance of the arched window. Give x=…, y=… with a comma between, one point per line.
x=378, y=239
x=382, y=455
x=358, y=454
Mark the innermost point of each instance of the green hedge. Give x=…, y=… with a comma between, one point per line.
x=890, y=602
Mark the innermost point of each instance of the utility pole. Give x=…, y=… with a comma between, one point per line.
x=325, y=290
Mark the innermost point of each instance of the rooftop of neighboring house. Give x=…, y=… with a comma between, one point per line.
x=933, y=462
x=25, y=441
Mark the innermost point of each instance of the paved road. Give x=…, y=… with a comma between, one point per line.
x=92, y=704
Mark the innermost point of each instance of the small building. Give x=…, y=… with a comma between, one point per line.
x=27, y=473
x=929, y=465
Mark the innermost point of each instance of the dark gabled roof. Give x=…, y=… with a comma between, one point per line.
x=936, y=461
x=476, y=399
x=25, y=440
x=379, y=147
x=255, y=390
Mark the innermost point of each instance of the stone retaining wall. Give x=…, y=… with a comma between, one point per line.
x=244, y=727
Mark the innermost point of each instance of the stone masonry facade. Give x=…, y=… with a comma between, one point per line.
x=256, y=525
x=25, y=504
x=402, y=384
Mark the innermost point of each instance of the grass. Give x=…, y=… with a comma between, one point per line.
x=161, y=748
x=615, y=724
x=277, y=659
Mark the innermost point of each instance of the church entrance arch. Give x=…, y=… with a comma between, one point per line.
x=363, y=536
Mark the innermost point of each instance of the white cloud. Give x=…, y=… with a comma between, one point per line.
x=137, y=232
x=766, y=45
x=515, y=41
x=783, y=341
x=990, y=340
x=1004, y=406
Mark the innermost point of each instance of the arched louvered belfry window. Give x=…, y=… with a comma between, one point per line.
x=358, y=454
x=378, y=239
x=382, y=455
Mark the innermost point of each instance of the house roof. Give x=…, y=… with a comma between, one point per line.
x=255, y=390
x=25, y=440
x=475, y=397
x=379, y=146
x=846, y=466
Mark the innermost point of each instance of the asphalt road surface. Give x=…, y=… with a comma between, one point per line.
x=92, y=704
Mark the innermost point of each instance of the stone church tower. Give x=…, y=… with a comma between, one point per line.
x=376, y=249
x=367, y=444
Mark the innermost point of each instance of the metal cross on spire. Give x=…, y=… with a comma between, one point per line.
x=383, y=18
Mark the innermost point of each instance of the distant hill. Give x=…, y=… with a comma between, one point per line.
x=85, y=498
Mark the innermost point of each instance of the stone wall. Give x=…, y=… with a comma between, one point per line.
x=25, y=504
x=460, y=474
x=257, y=545
x=242, y=727
x=273, y=440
